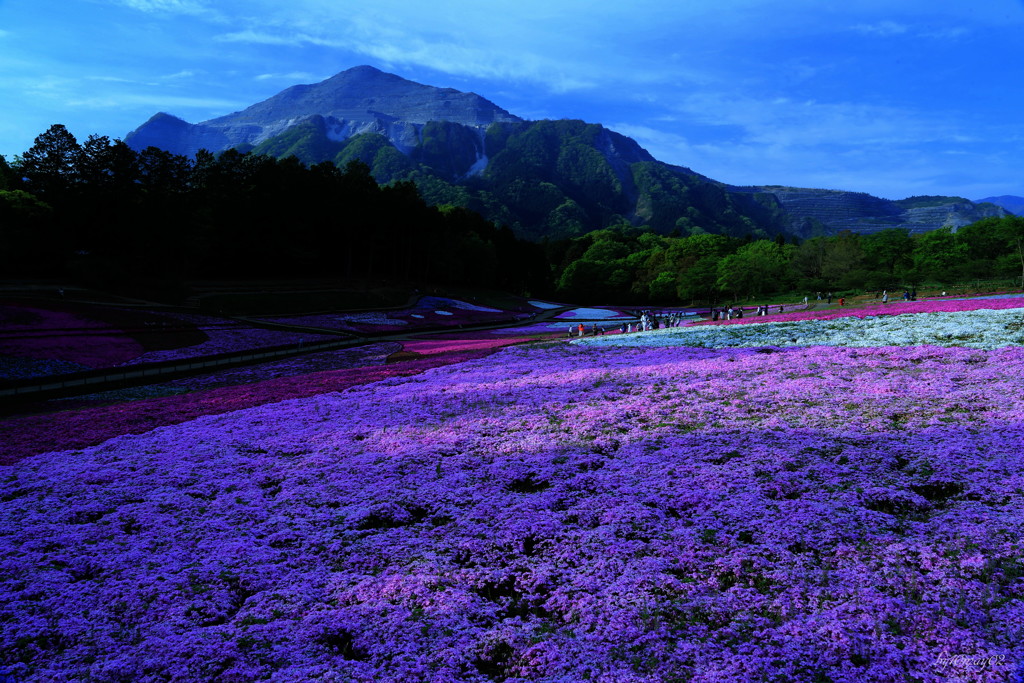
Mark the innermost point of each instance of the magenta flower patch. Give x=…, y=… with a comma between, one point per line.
x=892, y=308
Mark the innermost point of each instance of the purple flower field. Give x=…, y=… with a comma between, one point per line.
x=552, y=512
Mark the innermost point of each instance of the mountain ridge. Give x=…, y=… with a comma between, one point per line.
x=545, y=179
x=1009, y=202
x=353, y=101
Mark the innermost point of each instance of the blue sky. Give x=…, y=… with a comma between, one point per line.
x=892, y=98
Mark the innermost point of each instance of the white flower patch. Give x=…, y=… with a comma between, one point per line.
x=543, y=304
x=445, y=302
x=371, y=318
x=466, y=306
x=980, y=329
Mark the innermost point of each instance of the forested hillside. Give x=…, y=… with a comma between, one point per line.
x=544, y=179
x=105, y=214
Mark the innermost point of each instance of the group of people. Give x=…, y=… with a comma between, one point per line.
x=736, y=313
x=649, y=321
x=908, y=295
x=729, y=313
x=580, y=330
x=646, y=321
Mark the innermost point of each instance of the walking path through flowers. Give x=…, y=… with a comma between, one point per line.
x=775, y=510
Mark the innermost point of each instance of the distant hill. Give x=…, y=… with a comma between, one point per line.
x=544, y=179
x=822, y=212
x=1011, y=203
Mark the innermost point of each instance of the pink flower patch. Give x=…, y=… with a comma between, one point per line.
x=429, y=347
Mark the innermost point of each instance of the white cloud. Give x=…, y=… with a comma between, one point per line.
x=390, y=46
x=166, y=6
x=155, y=101
x=262, y=38
x=882, y=28
x=111, y=79
x=950, y=33
x=291, y=78
x=742, y=140
x=463, y=60
x=781, y=121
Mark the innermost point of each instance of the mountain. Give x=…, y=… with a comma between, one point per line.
x=359, y=100
x=1011, y=203
x=813, y=212
x=544, y=179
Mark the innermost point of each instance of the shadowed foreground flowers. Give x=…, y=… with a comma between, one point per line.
x=553, y=513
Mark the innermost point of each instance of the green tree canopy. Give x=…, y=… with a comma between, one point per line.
x=938, y=253
x=52, y=165
x=889, y=250
x=756, y=268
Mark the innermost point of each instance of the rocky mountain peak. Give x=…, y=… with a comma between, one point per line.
x=357, y=99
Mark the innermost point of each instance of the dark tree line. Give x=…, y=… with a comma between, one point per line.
x=628, y=265
x=105, y=213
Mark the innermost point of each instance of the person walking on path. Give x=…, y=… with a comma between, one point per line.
x=885, y=296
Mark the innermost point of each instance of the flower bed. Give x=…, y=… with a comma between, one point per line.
x=28, y=435
x=436, y=302
x=378, y=320
x=978, y=328
x=870, y=310
x=12, y=367
x=227, y=338
x=87, y=339
x=594, y=314
x=544, y=328
x=30, y=332
x=558, y=513
x=521, y=332
x=432, y=346
x=429, y=311
x=356, y=357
